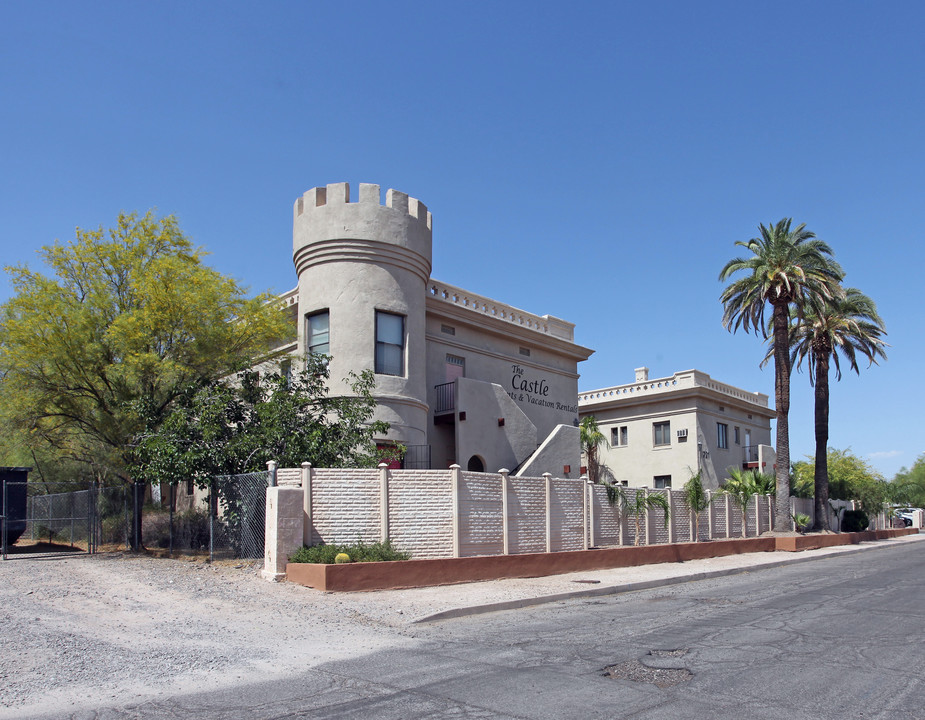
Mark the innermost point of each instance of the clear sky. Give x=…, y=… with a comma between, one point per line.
x=592, y=161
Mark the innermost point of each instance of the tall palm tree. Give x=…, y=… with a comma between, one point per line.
x=788, y=269
x=591, y=440
x=845, y=326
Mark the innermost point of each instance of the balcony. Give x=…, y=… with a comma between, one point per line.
x=751, y=457
x=445, y=402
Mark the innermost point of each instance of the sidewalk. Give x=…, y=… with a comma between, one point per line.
x=433, y=604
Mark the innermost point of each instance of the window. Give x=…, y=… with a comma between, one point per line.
x=525, y=351
x=722, y=436
x=455, y=367
x=189, y=486
x=318, y=333
x=662, y=482
x=736, y=435
x=662, y=433
x=448, y=329
x=619, y=436
x=390, y=344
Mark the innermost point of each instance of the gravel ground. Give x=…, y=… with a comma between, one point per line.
x=80, y=631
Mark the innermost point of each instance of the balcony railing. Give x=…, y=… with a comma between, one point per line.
x=446, y=398
x=751, y=453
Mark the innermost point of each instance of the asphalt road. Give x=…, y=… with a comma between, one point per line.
x=841, y=637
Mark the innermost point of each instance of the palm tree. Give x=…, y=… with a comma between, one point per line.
x=697, y=500
x=641, y=503
x=743, y=485
x=848, y=326
x=789, y=269
x=591, y=440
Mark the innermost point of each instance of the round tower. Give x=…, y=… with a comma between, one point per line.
x=363, y=269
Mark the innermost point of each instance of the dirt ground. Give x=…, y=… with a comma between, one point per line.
x=111, y=628
x=82, y=631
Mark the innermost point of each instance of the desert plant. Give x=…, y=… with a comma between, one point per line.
x=358, y=552
x=801, y=521
x=638, y=506
x=742, y=486
x=591, y=440
x=696, y=499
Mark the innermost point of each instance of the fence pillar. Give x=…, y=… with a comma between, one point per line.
x=770, y=512
x=588, y=504
x=505, y=510
x=617, y=508
x=454, y=481
x=308, y=523
x=709, y=515
x=548, y=478
x=728, y=518
x=670, y=499
x=693, y=527
x=271, y=469
x=648, y=535
x=282, y=530
x=383, y=502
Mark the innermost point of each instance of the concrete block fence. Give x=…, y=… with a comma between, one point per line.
x=455, y=513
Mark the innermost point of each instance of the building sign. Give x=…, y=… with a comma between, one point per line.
x=534, y=391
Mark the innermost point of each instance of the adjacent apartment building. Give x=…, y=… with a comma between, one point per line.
x=460, y=378
x=660, y=431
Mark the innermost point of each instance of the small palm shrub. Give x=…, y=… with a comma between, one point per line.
x=358, y=552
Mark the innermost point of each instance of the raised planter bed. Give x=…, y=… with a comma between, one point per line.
x=448, y=571
x=812, y=542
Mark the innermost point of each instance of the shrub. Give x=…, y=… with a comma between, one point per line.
x=358, y=552
x=854, y=521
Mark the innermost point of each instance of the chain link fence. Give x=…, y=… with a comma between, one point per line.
x=224, y=520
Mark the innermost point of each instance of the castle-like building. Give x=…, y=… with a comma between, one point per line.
x=460, y=378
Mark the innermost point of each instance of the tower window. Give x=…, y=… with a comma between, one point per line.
x=318, y=333
x=390, y=344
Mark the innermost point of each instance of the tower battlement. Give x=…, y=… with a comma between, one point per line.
x=370, y=194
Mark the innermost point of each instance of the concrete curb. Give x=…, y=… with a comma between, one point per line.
x=647, y=584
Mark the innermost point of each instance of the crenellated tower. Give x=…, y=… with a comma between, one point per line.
x=363, y=269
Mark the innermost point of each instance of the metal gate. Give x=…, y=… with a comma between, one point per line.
x=43, y=516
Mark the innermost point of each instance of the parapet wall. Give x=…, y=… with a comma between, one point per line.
x=327, y=227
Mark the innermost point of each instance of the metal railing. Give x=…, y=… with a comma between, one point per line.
x=446, y=398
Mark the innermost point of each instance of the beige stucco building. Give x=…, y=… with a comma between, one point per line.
x=660, y=431
x=460, y=378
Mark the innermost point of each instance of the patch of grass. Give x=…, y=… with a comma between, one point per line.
x=358, y=552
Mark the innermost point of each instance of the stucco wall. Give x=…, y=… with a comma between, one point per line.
x=447, y=513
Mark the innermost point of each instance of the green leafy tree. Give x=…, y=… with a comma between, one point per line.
x=126, y=320
x=227, y=428
x=788, y=269
x=743, y=485
x=845, y=327
x=908, y=486
x=591, y=440
x=850, y=478
x=696, y=499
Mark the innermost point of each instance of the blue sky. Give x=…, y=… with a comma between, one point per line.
x=593, y=161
